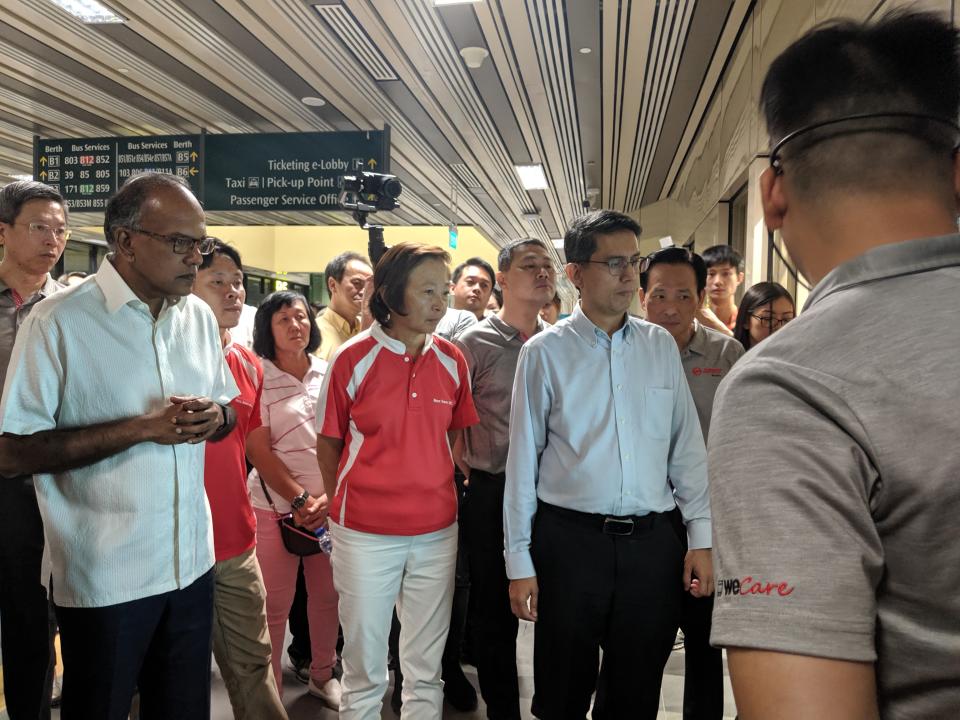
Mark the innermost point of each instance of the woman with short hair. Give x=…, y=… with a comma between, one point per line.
x=283, y=452
x=391, y=402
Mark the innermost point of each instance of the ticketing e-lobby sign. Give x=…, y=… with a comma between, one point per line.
x=259, y=172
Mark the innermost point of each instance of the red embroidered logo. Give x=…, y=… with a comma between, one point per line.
x=711, y=371
x=749, y=586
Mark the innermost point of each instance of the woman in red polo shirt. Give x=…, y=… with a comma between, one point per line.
x=391, y=401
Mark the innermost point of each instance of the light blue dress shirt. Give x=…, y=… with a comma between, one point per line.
x=602, y=425
x=137, y=523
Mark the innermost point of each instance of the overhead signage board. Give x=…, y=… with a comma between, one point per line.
x=87, y=171
x=287, y=171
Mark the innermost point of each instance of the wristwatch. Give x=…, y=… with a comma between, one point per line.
x=300, y=500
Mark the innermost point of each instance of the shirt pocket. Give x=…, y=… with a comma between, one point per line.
x=658, y=412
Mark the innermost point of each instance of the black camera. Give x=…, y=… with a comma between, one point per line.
x=369, y=192
x=366, y=193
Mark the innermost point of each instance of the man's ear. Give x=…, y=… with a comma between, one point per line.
x=123, y=242
x=3, y=233
x=331, y=284
x=500, y=275
x=773, y=199
x=643, y=299
x=702, y=295
x=573, y=271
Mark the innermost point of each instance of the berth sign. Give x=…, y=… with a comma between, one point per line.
x=87, y=171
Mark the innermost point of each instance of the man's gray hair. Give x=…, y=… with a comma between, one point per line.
x=17, y=194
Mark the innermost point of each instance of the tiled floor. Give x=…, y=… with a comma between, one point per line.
x=301, y=706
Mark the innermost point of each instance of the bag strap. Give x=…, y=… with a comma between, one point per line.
x=266, y=494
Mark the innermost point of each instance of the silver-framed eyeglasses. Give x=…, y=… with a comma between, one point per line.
x=42, y=230
x=618, y=264
x=182, y=244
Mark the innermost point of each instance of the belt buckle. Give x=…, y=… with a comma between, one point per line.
x=617, y=526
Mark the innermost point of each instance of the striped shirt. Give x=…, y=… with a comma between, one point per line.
x=393, y=412
x=287, y=407
x=137, y=523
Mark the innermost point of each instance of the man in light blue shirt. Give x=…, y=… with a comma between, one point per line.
x=113, y=387
x=605, y=445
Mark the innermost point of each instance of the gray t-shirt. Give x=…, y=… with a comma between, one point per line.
x=706, y=360
x=491, y=348
x=835, y=479
x=13, y=311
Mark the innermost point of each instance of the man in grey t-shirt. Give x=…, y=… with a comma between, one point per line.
x=672, y=289
x=833, y=462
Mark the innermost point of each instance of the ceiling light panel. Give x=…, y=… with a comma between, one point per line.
x=442, y=3
x=89, y=11
x=532, y=177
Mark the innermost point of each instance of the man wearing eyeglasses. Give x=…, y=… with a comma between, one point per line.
x=113, y=387
x=33, y=232
x=604, y=446
x=835, y=475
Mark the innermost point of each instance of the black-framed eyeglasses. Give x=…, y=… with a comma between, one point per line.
x=618, y=265
x=182, y=244
x=771, y=322
x=902, y=122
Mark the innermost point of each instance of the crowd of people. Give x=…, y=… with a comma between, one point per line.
x=402, y=481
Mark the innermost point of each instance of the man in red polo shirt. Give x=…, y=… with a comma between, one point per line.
x=241, y=641
x=392, y=400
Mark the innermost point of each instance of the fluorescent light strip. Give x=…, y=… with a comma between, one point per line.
x=441, y=3
x=89, y=11
x=532, y=177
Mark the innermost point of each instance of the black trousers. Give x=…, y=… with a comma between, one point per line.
x=161, y=644
x=27, y=627
x=495, y=625
x=621, y=593
x=703, y=675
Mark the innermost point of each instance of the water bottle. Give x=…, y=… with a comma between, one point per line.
x=323, y=537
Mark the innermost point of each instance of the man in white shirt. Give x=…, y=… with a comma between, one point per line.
x=113, y=387
x=605, y=445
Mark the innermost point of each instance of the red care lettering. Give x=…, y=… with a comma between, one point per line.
x=749, y=587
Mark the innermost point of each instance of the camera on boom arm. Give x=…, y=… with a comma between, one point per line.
x=365, y=193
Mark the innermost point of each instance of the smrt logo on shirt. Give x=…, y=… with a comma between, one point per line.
x=712, y=372
x=750, y=586
x=440, y=401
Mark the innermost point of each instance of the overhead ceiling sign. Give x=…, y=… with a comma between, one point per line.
x=268, y=171
x=87, y=171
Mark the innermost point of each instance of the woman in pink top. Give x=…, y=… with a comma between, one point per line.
x=283, y=452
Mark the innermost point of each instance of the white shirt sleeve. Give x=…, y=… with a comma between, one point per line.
x=33, y=390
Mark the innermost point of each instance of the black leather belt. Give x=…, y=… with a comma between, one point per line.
x=607, y=524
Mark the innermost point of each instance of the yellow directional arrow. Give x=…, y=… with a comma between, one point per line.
x=43, y=159
x=43, y=174
x=193, y=155
x=371, y=163
x=193, y=171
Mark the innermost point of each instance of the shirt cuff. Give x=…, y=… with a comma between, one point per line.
x=519, y=565
x=699, y=534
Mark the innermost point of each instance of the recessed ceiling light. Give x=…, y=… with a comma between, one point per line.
x=23, y=178
x=123, y=70
x=441, y=3
x=89, y=11
x=532, y=177
x=585, y=51
x=313, y=101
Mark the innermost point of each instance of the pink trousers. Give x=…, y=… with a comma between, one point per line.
x=279, y=569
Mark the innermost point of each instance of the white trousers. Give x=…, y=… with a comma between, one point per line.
x=372, y=573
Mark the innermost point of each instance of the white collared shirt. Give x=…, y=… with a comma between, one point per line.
x=602, y=425
x=135, y=524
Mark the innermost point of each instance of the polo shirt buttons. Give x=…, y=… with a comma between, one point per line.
x=413, y=394
x=406, y=359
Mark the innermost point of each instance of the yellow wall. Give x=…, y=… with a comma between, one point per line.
x=288, y=249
